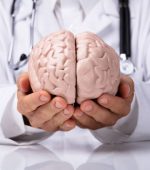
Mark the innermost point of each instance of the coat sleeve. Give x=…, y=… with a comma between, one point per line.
x=12, y=127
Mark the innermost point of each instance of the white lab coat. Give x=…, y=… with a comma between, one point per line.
x=103, y=20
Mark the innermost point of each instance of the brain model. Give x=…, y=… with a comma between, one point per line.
x=76, y=68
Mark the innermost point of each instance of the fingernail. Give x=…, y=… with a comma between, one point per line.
x=44, y=98
x=88, y=108
x=66, y=112
x=22, y=89
x=59, y=105
x=103, y=101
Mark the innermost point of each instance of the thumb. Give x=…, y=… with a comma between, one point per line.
x=23, y=83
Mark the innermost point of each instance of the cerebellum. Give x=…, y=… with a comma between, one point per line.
x=75, y=68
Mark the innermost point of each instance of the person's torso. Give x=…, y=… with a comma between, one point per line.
x=101, y=19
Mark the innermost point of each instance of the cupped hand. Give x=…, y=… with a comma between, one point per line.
x=107, y=109
x=42, y=111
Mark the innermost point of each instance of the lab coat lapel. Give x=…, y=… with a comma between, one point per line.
x=111, y=8
x=96, y=21
x=101, y=15
x=46, y=21
x=23, y=9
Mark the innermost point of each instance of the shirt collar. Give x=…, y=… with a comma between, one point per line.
x=51, y=4
x=111, y=7
x=88, y=6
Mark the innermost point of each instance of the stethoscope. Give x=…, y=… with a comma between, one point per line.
x=126, y=66
x=23, y=57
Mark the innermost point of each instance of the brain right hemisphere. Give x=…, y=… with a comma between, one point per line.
x=76, y=68
x=97, y=67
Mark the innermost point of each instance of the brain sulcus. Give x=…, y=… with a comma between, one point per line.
x=75, y=68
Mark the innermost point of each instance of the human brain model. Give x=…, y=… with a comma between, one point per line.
x=75, y=68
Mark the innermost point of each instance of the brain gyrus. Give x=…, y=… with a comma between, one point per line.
x=75, y=68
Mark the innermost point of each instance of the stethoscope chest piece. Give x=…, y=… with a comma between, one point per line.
x=126, y=66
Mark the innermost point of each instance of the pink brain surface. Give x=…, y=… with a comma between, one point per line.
x=75, y=68
x=97, y=67
x=52, y=65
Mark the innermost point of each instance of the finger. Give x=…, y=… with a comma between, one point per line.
x=55, y=123
x=68, y=125
x=98, y=113
x=85, y=121
x=29, y=103
x=115, y=104
x=23, y=83
x=126, y=88
x=47, y=112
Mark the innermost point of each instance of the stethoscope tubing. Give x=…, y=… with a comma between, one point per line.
x=125, y=32
x=126, y=65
